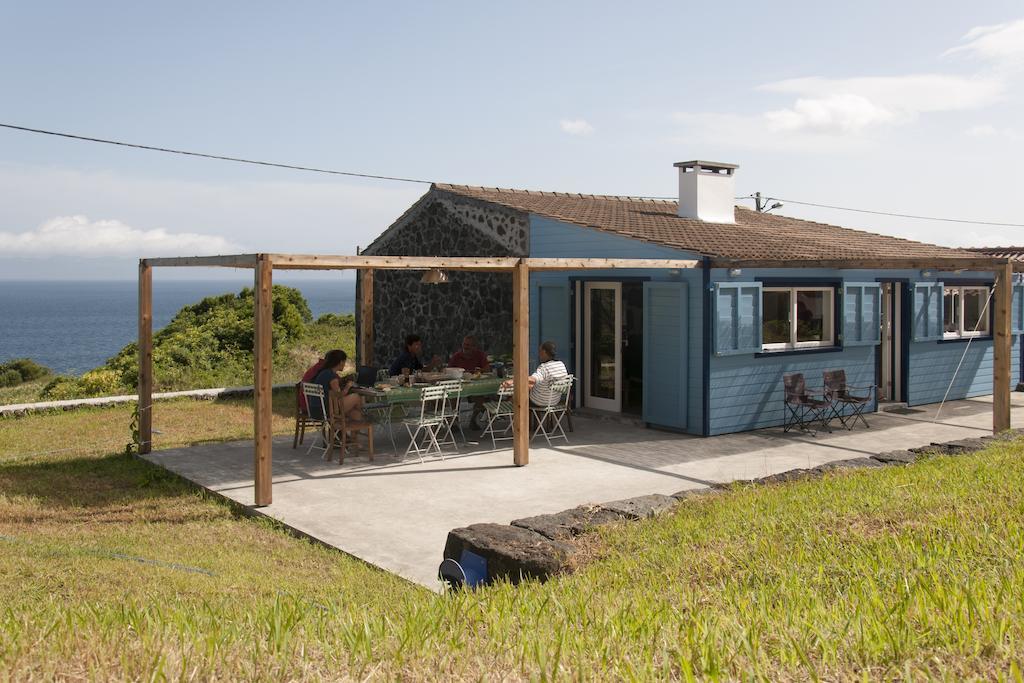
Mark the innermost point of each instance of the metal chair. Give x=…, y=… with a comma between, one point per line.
x=314, y=394
x=837, y=391
x=804, y=407
x=452, y=405
x=556, y=412
x=428, y=423
x=498, y=411
x=339, y=427
x=302, y=418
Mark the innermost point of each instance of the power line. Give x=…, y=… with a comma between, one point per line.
x=897, y=215
x=213, y=156
x=355, y=174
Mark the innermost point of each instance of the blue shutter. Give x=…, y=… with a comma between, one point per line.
x=665, y=354
x=1017, y=310
x=862, y=306
x=737, y=318
x=927, y=311
x=553, y=317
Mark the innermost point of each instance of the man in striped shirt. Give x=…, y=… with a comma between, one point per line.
x=549, y=370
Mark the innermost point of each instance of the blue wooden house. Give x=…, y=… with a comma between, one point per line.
x=699, y=350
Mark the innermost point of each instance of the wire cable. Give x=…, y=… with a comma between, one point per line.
x=311, y=169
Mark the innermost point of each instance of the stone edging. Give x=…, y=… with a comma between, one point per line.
x=542, y=546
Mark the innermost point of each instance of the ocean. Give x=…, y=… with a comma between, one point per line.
x=72, y=327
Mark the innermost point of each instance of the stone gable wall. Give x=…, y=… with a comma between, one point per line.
x=470, y=303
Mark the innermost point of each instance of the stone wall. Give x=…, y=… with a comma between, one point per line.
x=470, y=303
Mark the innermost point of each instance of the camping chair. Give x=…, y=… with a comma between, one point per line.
x=452, y=405
x=428, y=423
x=804, y=407
x=339, y=427
x=498, y=411
x=838, y=393
x=314, y=394
x=380, y=411
x=302, y=418
x=555, y=412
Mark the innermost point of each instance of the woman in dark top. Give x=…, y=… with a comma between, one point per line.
x=330, y=380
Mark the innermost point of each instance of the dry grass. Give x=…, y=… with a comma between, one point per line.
x=113, y=569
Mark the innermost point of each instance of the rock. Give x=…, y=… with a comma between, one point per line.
x=566, y=525
x=641, y=507
x=511, y=552
x=959, y=446
x=690, y=494
x=895, y=457
x=788, y=475
x=848, y=464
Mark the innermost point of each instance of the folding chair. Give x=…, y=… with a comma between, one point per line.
x=302, y=418
x=803, y=405
x=428, y=423
x=498, y=411
x=838, y=393
x=339, y=427
x=452, y=405
x=314, y=394
x=556, y=412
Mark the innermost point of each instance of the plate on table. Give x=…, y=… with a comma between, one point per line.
x=421, y=384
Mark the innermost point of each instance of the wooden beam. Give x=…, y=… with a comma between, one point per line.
x=232, y=261
x=263, y=398
x=937, y=263
x=366, y=317
x=520, y=363
x=328, y=262
x=608, y=263
x=145, y=357
x=1002, y=345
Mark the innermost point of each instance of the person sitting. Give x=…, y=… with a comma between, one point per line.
x=549, y=370
x=308, y=376
x=330, y=380
x=410, y=357
x=470, y=358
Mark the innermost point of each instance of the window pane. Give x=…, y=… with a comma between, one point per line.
x=813, y=313
x=775, y=326
x=974, y=302
x=951, y=311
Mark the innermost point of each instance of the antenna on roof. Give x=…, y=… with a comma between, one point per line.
x=761, y=203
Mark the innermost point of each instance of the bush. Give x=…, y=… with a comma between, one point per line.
x=10, y=378
x=61, y=388
x=337, y=319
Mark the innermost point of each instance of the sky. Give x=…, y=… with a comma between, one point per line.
x=908, y=107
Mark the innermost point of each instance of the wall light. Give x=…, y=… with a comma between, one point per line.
x=735, y=272
x=926, y=273
x=434, y=276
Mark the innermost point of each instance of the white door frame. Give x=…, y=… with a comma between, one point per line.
x=589, y=400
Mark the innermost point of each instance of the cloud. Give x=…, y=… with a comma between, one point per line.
x=79, y=236
x=1001, y=44
x=987, y=130
x=851, y=105
x=576, y=126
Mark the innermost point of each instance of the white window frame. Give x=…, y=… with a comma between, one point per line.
x=962, y=333
x=828, y=322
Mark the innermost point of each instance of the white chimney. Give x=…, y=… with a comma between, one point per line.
x=707, y=190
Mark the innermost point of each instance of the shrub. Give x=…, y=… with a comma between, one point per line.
x=61, y=388
x=27, y=368
x=337, y=319
x=9, y=378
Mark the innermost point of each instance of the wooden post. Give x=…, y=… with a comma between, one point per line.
x=145, y=357
x=262, y=357
x=366, y=316
x=1001, y=345
x=520, y=361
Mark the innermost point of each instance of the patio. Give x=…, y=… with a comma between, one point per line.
x=396, y=515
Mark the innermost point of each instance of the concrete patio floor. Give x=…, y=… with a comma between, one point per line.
x=396, y=515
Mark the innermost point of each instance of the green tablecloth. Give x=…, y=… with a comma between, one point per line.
x=471, y=387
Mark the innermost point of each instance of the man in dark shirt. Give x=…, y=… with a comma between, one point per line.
x=470, y=358
x=410, y=357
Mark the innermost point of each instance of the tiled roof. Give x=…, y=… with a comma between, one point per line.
x=1012, y=253
x=757, y=236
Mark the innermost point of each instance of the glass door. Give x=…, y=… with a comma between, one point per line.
x=603, y=345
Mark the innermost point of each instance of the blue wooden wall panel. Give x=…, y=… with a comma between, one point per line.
x=933, y=365
x=665, y=354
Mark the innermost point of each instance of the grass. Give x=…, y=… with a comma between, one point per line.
x=26, y=392
x=903, y=573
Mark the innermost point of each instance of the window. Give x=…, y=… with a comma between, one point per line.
x=965, y=312
x=797, y=317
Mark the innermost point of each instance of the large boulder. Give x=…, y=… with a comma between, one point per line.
x=895, y=457
x=566, y=525
x=512, y=552
x=641, y=507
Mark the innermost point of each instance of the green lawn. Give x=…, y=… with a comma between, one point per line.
x=908, y=573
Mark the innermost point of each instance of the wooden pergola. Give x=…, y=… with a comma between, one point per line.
x=263, y=266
